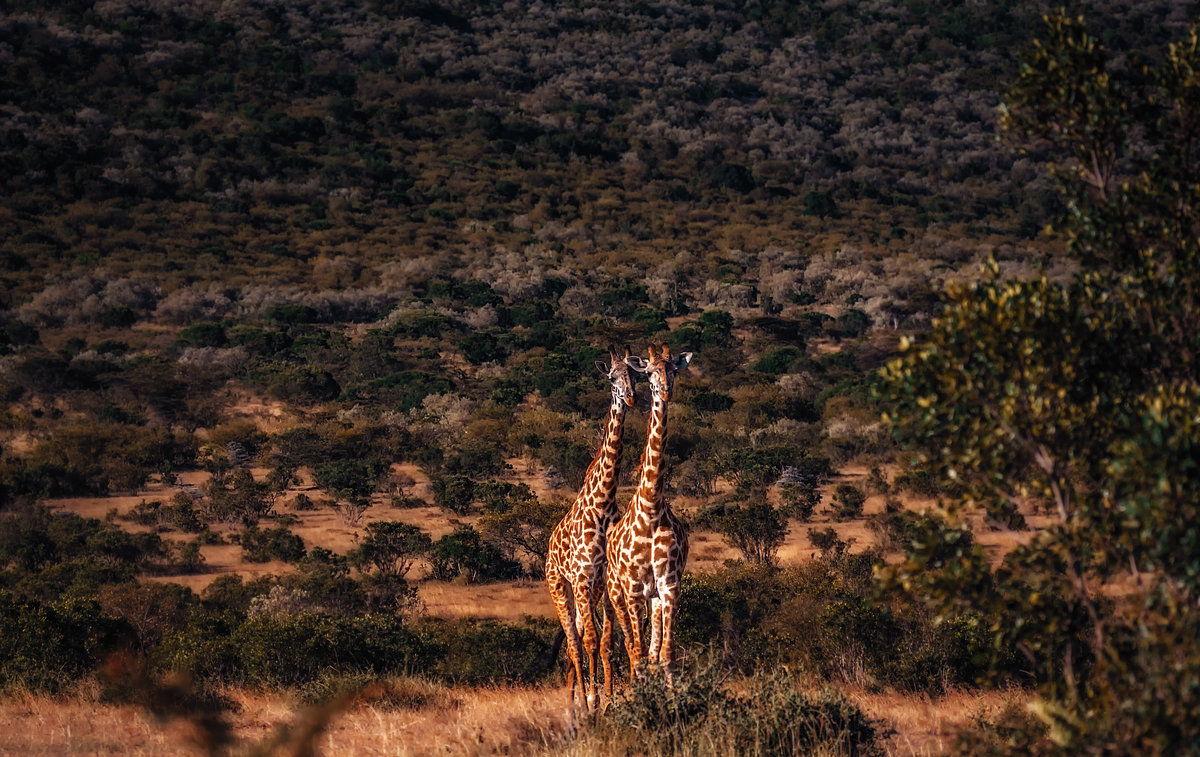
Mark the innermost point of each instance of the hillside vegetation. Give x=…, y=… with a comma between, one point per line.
x=264, y=261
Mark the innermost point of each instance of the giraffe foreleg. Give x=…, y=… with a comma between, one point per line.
x=655, y=631
x=668, y=604
x=564, y=606
x=610, y=619
x=587, y=621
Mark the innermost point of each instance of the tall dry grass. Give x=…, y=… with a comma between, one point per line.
x=416, y=717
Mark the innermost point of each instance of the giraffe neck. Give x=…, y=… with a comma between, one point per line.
x=600, y=483
x=650, y=488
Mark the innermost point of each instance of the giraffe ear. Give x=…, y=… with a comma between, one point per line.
x=639, y=364
x=600, y=366
x=682, y=361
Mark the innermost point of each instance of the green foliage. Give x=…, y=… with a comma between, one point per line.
x=48, y=645
x=521, y=525
x=1080, y=396
x=800, y=500
x=453, y=492
x=464, y=552
x=237, y=498
x=756, y=530
x=848, y=502
x=752, y=467
x=204, y=334
x=351, y=478
x=296, y=383
x=826, y=617
x=817, y=203
x=777, y=359
x=96, y=458
x=768, y=715
x=279, y=543
x=391, y=547
x=488, y=651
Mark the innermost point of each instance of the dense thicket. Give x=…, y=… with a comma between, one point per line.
x=323, y=141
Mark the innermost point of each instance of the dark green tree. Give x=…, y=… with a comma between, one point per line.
x=1081, y=397
x=756, y=530
x=391, y=548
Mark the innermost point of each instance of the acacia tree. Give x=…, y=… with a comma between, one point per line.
x=1081, y=396
x=391, y=548
x=756, y=530
x=520, y=523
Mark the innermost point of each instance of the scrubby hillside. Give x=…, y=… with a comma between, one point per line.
x=301, y=305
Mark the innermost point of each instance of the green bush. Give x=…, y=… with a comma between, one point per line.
x=756, y=530
x=848, y=502
x=465, y=553
x=204, y=334
x=453, y=493
x=390, y=547
x=46, y=645
x=279, y=543
x=800, y=500
x=764, y=715
x=489, y=651
x=777, y=360
x=825, y=617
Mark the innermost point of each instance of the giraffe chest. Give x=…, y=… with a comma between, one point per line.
x=653, y=551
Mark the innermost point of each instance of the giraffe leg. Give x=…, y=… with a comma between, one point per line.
x=666, y=654
x=587, y=622
x=656, y=615
x=637, y=618
x=563, y=602
x=610, y=618
x=622, y=608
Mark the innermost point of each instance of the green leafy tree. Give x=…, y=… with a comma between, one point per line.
x=453, y=492
x=523, y=527
x=849, y=500
x=1082, y=398
x=391, y=548
x=756, y=530
x=464, y=552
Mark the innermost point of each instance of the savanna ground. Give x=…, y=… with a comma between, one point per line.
x=435, y=718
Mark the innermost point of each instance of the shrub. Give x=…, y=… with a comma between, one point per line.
x=765, y=715
x=188, y=559
x=45, y=646
x=848, y=500
x=279, y=543
x=777, y=360
x=826, y=540
x=800, y=500
x=489, y=651
x=464, y=552
x=454, y=492
x=756, y=530
x=390, y=547
x=204, y=334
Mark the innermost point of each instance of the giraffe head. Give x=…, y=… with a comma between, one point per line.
x=661, y=369
x=619, y=374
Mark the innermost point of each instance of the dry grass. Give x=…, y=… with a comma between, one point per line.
x=511, y=601
x=426, y=719
x=509, y=720
x=925, y=725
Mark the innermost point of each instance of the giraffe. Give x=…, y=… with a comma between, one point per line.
x=647, y=549
x=575, y=562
